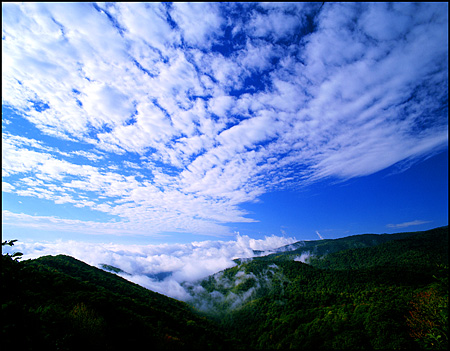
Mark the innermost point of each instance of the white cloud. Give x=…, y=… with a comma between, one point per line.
x=407, y=224
x=338, y=91
x=63, y=225
x=150, y=209
x=275, y=24
x=384, y=24
x=7, y=188
x=89, y=155
x=107, y=103
x=180, y=262
x=199, y=23
x=147, y=23
x=304, y=257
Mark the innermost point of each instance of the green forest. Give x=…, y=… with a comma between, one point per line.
x=364, y=292
x=60, y=303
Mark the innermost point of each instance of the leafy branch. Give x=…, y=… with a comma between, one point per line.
x=16, y=255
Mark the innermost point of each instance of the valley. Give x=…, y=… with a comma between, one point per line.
x=368, y=291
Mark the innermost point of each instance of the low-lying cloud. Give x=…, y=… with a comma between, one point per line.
x=304, y=257
x=161, y=268
x=227, y=291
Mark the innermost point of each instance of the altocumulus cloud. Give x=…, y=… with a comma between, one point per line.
x=176, y=114
x=161, y=268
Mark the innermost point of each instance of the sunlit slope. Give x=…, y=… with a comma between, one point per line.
x=428, y=248
x=256, y=277
x=362, y=300
x=320, y=248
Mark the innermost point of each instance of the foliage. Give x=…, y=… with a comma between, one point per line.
x=419, y=249
x=16, y=255
x=356, y=297
x=60, y=303
x=428, y=319
x=361, y=292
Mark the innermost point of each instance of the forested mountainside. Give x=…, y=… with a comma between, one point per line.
x=60, y=303
x=359, y=292
x=393, y=295
x=320, y=248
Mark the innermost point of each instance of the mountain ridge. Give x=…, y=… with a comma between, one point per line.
x=367, y=291
x=59, y=302
x=392, y=275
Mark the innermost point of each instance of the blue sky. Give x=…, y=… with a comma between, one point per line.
x=172, y=123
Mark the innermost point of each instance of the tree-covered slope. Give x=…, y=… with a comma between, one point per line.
x=421, y=249
x=393, y=295
x=322, y=248
x=60, y=303
x=360, y=292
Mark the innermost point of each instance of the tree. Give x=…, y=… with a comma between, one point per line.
x=428, y=319
x=16, y=255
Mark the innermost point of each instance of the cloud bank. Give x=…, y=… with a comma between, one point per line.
x=169, y=117
x=161, y=268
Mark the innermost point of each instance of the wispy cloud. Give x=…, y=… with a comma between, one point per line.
x=407, y=224
x=216, y=103
x=318, y=234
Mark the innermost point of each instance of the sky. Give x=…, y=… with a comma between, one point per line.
x=160, y=124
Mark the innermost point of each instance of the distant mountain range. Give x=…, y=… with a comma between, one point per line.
x=323, y=247
x=368, y=291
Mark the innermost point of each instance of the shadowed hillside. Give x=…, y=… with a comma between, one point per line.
x=60, y=303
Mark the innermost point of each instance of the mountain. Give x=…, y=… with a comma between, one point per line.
x=61, y=303
x=359, y=292
x=112, y=269
x=368, y=291
x=157, y=276
x=321, y=248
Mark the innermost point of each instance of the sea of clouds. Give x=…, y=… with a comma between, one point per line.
x=163, y=267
